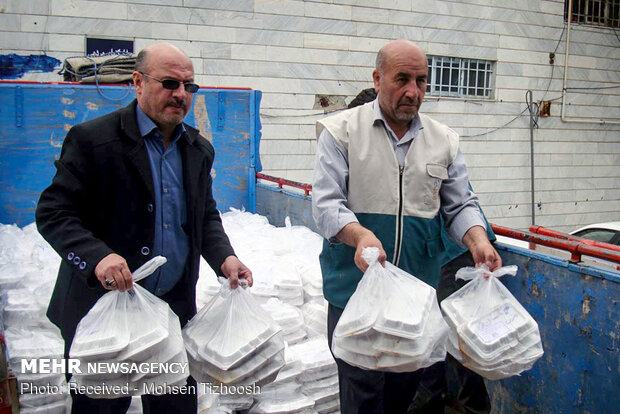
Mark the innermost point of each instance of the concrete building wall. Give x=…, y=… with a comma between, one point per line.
x=293, y=50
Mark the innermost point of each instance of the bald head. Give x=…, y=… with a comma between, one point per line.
x=159, y=50
x=396, y=48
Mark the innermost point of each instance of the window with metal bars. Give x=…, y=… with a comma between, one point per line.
x=459, y=77
x=594, y=12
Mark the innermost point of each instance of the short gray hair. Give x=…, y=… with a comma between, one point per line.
x=141, y=61
x=380, y=60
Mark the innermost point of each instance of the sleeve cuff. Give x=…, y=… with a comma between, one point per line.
x=466, y=219
x=344, y=217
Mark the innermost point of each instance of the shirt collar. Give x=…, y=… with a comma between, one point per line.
x=146, y=125
x=414, y=128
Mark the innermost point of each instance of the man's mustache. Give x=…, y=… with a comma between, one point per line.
x=407, y=101
x=176, y=103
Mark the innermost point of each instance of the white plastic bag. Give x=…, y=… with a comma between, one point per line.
x=364, y=306
x=391, y=323
x=234, y=340
x=130, y=328
x=106, y=329
x=491, y=333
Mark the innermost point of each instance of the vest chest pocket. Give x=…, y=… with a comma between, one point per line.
x=436, y=174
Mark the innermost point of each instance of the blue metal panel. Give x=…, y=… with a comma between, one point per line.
x=255, y=165
x=227, y=117
x=276, y=204
x=34, y=119
x=576, y=308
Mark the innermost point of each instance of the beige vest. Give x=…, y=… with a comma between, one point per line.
x=374, y=174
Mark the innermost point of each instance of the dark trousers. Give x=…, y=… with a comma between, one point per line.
x=450, y=384
x=151, y=404
x=370, y=392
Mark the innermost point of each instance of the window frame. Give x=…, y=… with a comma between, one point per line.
x=597, y=13
x=458, y=71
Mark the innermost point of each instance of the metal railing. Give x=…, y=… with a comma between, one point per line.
x=565, y=236
x=284, y=182
x=575, y=246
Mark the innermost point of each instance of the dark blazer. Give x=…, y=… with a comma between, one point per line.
x=101, y=201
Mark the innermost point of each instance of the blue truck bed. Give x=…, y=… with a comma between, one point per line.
x=34, y=118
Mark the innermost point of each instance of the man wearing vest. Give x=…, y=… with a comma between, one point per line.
x=383, y=172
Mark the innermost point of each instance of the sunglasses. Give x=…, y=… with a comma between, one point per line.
x=173, y=84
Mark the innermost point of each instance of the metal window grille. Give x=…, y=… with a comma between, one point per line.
x=459, y=77
x=594, y=12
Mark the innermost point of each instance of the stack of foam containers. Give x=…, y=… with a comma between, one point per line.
x=277, y=268
x=312, y=280
x=304, y=247
x=315, y=317
x=288, y=281
x=497, y=344
x=288, y=317
x=268, y=252
x=291, y=372
x=35, y=345
x=28, y=268
x=211, y=403
x=319, y=377
x=404, y=334
x=20, y=308
x=285, y=395
x=251, y=362
x=284, y=399
x=275, y=276
x=232, y=340
x=285, y=265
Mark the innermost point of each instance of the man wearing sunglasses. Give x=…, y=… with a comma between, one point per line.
x=131, y=185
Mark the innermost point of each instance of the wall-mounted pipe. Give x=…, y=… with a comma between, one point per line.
x=533, y=112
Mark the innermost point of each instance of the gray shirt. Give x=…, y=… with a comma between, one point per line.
x=459, y=205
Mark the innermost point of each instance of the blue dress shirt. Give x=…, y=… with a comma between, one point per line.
x=170, y=239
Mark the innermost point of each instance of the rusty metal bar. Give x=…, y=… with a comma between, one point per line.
x=576, y=248
x=282, y=182
x=565, y=236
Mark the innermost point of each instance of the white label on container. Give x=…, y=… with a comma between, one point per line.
x=498, y=324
